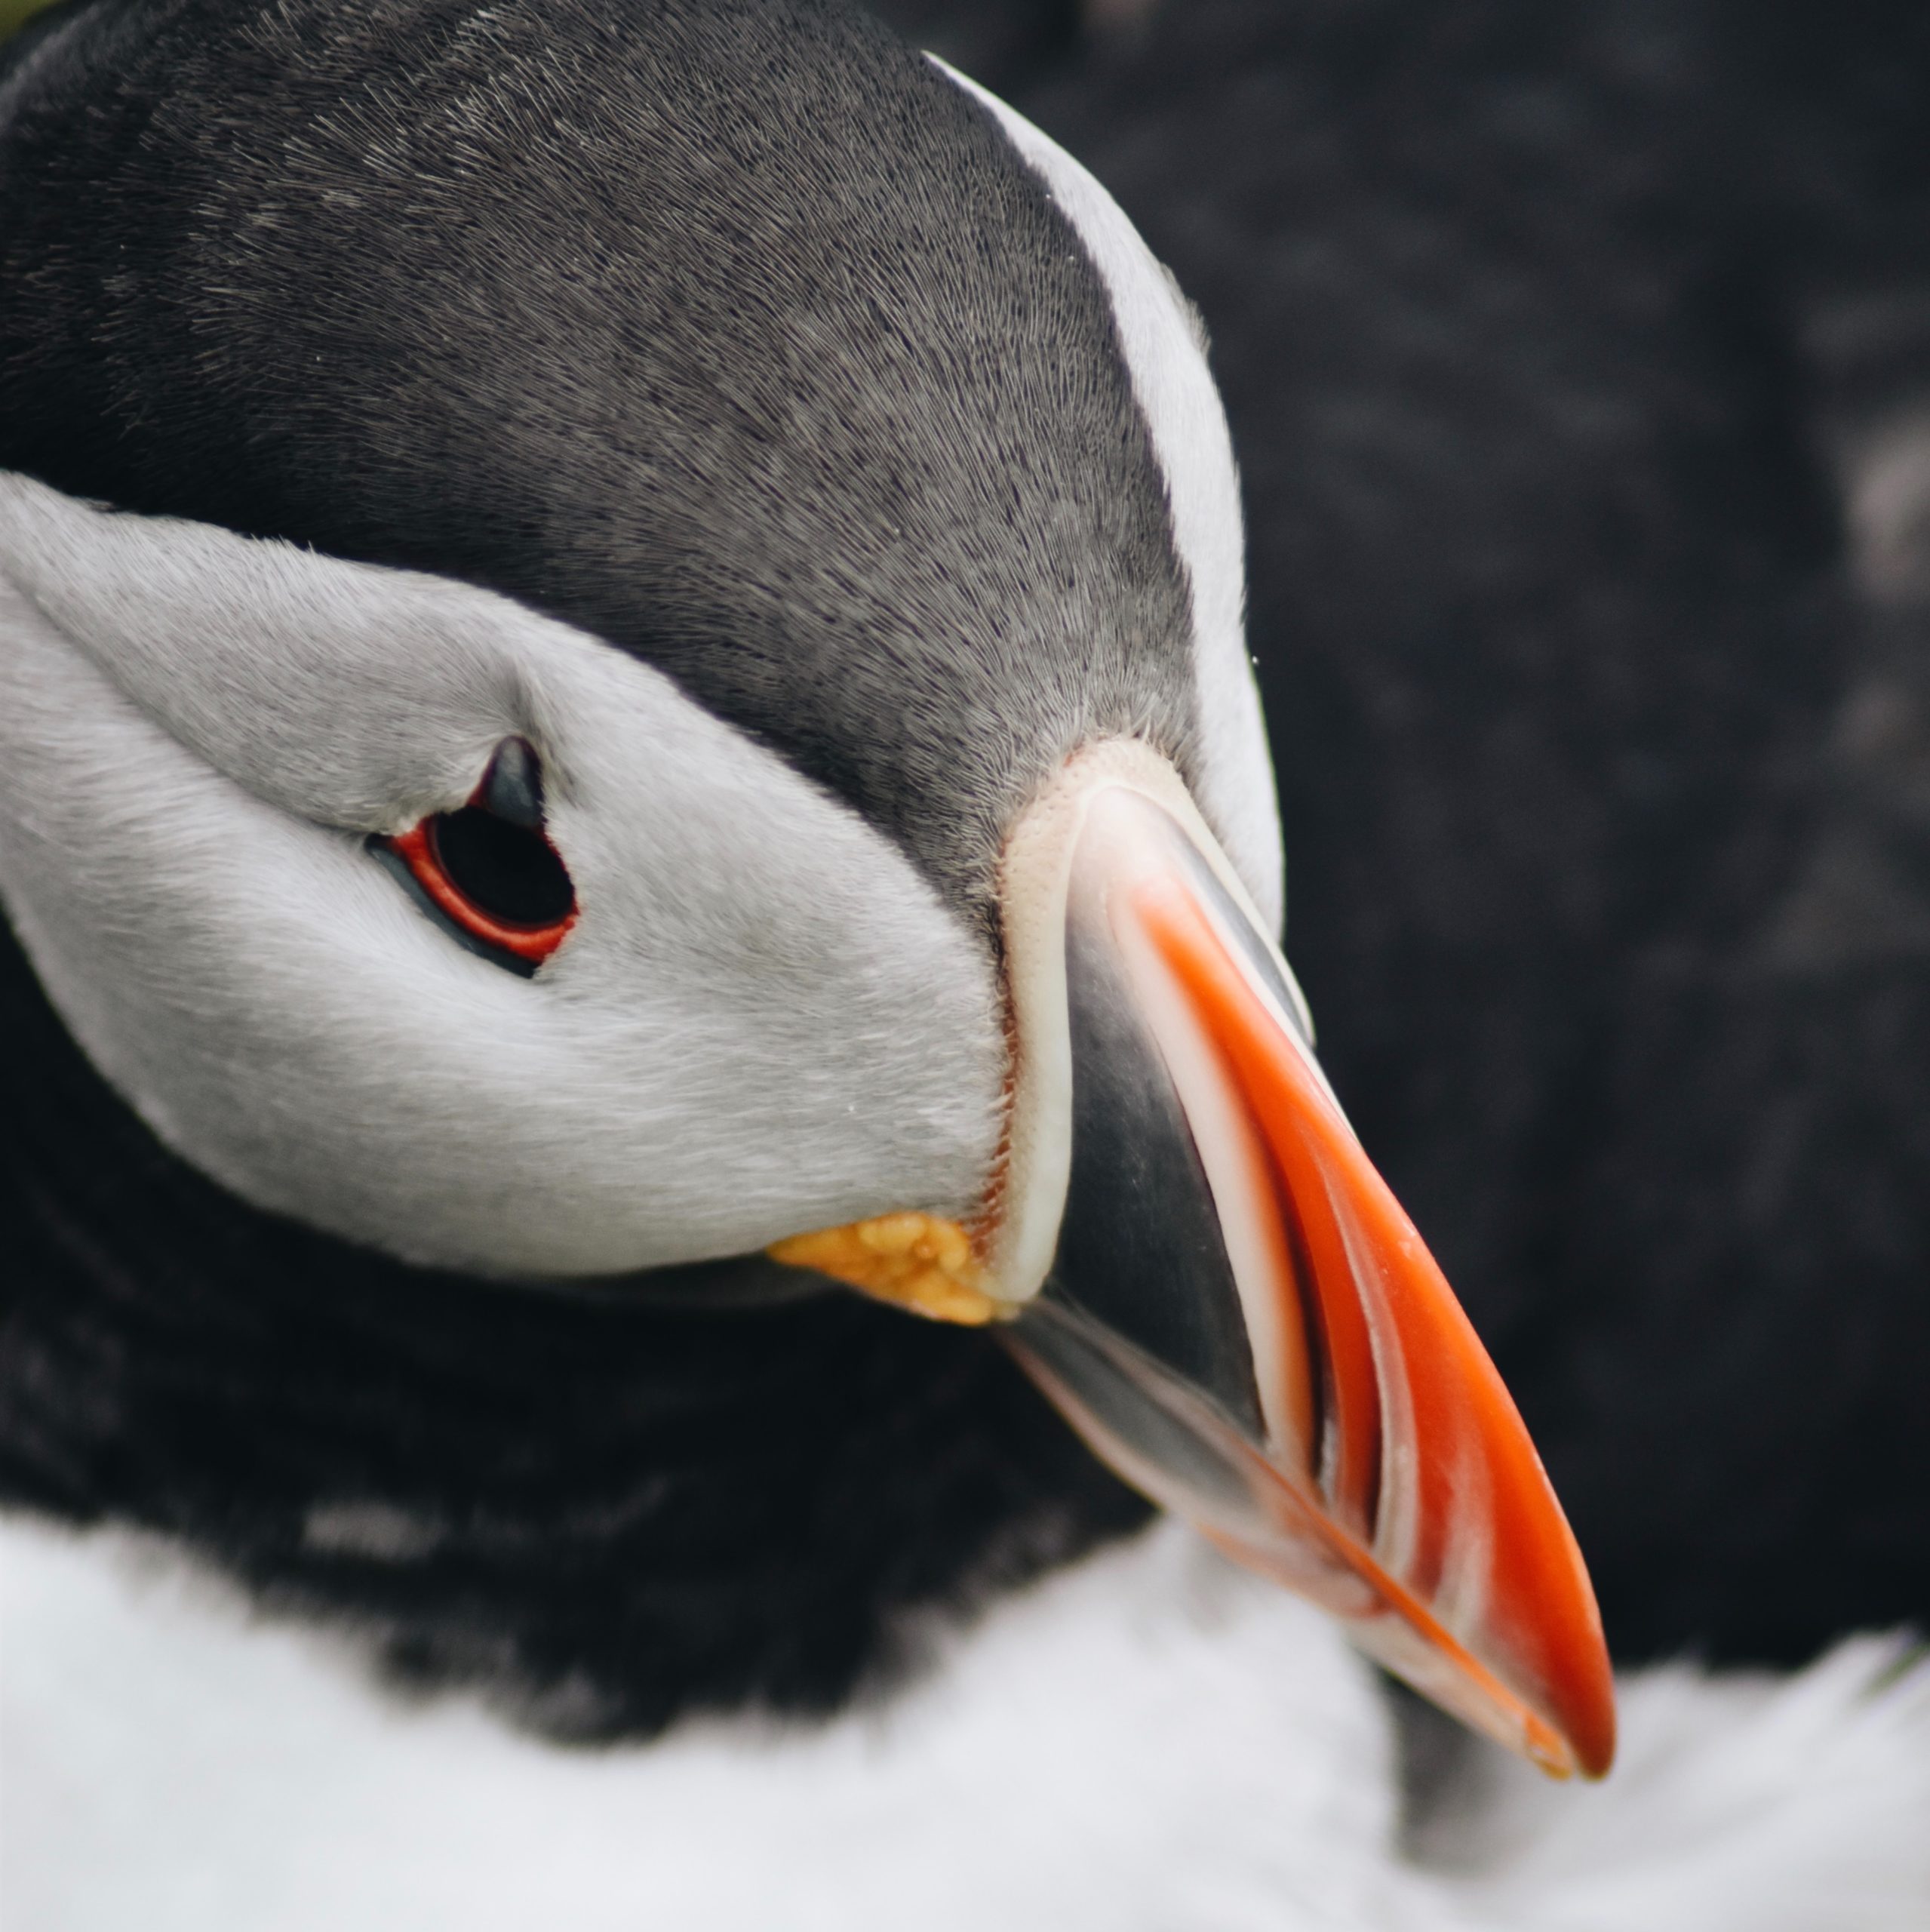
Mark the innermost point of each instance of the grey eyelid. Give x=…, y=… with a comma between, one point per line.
x=512, y=786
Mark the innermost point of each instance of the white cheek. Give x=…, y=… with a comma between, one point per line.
x=756, y=1027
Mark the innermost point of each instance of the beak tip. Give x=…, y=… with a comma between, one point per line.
x=1589, y=1724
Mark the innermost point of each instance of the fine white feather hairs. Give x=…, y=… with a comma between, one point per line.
x=1215, y=1758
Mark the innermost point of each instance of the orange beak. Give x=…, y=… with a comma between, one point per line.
x=1200, y=1266
x=1305, y=1387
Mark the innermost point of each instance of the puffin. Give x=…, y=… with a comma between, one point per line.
x=626, y=713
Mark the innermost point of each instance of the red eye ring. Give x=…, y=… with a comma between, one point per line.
x=486, y=871
x=417, y=849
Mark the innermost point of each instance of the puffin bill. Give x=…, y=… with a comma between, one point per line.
x=1199, y=1265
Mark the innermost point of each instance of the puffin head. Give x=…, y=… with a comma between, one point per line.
x=621, y=666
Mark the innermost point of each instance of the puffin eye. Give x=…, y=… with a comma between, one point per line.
x=487, y=872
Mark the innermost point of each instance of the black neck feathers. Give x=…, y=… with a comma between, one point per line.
x=605, y=1515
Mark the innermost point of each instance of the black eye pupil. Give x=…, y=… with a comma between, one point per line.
x=508, y=871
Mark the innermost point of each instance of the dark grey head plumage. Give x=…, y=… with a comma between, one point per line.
x=635, y=313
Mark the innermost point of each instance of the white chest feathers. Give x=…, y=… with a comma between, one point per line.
x=1149, y=1741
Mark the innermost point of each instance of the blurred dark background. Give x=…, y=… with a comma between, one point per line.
x=1578, y=357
